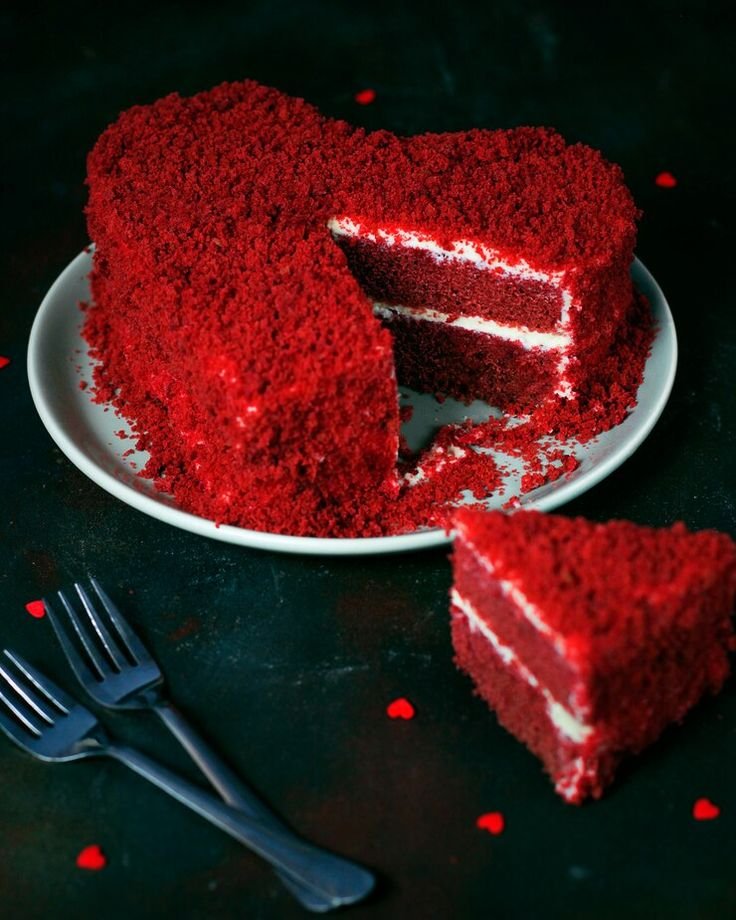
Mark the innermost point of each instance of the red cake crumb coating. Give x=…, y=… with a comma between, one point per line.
x=526, y=191
x=232, y=334
x=589, y=639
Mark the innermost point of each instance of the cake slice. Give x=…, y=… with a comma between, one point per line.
x=588, y=639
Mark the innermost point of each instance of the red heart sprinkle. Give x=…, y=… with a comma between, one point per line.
x=36, y=609
x=705, y=810
x=365, y=96
x=666, y=180
x=492, y=822
x=400, y=709
x=92, y=858
x=4, y=362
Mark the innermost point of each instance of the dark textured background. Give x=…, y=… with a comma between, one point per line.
x=289, y=661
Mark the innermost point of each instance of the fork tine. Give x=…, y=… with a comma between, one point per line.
x=61, y=700
x=29, y=698
x=9, y=726
x=96, y=657
x=83, y=670
x=135, y=647
x=102, y=631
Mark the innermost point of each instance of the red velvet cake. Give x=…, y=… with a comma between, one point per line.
x=589, y=639
x=263, y=275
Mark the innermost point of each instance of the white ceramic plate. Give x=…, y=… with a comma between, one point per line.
x=85, y=431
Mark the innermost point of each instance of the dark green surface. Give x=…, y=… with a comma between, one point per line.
x=289, y=662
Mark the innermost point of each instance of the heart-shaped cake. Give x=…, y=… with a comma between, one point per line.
x=264, y=275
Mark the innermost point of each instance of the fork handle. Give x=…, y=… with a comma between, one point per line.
x=337, y=881
x=233, y=790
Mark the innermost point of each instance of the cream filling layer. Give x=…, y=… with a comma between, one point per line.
x=566, y=722
x=521, y=335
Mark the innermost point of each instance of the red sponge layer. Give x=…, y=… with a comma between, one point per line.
x=417, y=278
x=438, y=358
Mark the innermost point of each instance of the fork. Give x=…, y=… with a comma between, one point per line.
x=118, y=672
x=52, y=726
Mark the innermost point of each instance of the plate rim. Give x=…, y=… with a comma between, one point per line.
x=333, y=546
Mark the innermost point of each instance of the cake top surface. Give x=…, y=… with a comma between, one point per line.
x=195, y=171
x=603, y=583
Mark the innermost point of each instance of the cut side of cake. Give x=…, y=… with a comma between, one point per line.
x=465, y=322
x=265, y=277
x=588, y=640
x=497, y=282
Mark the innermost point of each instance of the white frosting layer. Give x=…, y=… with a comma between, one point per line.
x=564, y=387
x=566, y=722
x=521, y=335
x=573, y=778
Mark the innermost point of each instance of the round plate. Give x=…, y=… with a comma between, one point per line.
x=85, y=431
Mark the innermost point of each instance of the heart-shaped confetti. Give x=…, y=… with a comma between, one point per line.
x=400, y=709
x=4, y=362
x=91, y=858
x=365, y=96
x=705, y=810
x=666, y=180
x=36, y=609
x=492, y=821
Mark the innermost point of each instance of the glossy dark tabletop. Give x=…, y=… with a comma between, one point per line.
x=289, y=662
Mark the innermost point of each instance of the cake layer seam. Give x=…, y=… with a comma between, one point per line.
x=564, y=721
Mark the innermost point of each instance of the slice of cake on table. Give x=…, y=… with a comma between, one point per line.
x=589, y=639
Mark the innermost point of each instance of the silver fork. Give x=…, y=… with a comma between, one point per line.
x=52, y=726
x=118, y=672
